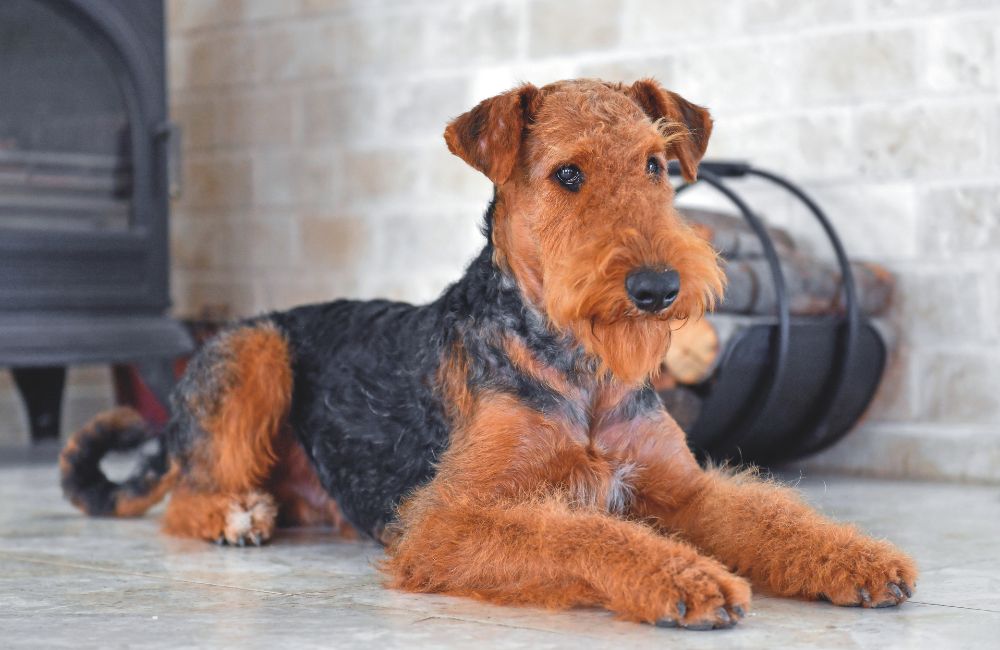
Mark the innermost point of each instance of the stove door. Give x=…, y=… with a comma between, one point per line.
x=82, y=190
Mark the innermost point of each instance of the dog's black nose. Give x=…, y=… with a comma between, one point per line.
x=651, y=290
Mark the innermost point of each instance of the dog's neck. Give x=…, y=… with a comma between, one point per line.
x=487, y=304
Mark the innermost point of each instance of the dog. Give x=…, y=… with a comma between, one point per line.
x=504, y=442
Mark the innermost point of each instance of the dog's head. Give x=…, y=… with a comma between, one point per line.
x=584, y=218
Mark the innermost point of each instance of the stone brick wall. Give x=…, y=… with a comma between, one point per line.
x=315, y=165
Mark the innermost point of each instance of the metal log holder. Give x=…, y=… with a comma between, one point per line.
x=790, y=386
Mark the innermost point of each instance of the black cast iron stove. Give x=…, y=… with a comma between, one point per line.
x=84, y=183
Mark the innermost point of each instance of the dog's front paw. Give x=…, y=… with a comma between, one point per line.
x=868, y=573
x=698, y=596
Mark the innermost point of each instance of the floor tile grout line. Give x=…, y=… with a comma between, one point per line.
x=972, y=609
x=91, y=567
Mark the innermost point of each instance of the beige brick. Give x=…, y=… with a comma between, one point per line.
x=473, y=33
x=443, y=242
x=191, y=243
x=874, y=221
x=183, y=15
x=219, y=58
x=782, y=14
x=661, y=68
x=491, y=80
x=269, y=9
x=234, y=243
x=341, y=243
x=959, y=387
x=938, y=307
x=343, y=114
x=263, y=117
x=196, y=296
x=658, y=23
x=197, y=118
x=707, y=77
x=178, y=63
x=79, y=409
x=764, y=140
x=91, y=380
x=960, y=220
x=421, y=109
x=389, y=44
x=275, y=179
x=327, y=6
x=380, y=175
x=449, y=178
x=908, y=8
x=558, y=28
x=962, y=54
x=938, y=140
x=894, y=399
x=297, y=50
x=927, y=451
x=403, y=284
x=217, y=182
x=826, y=146
x=13, y=419
x=848, y=67
x=276, y=292
x=991, y=305
x=319, y=177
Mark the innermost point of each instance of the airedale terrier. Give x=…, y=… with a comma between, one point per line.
x=504, y=442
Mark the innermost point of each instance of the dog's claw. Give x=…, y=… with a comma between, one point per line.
x=681, y=610
x=220, y=540
x=906, y=589
x=725, y=620
x=666, y=622
x=896, y=591
x=241, y=541
x=255, y=539
x=866, y=597
x=739, y=611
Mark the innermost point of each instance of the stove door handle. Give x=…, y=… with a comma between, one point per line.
x=170, y=136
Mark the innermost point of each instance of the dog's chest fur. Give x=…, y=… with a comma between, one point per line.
x=374, y=422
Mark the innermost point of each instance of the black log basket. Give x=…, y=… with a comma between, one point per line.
x=788, y=386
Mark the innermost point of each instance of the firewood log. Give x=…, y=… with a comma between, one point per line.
x=732, y=236
x=814, y=287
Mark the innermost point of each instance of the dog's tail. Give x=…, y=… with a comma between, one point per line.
x=89, y=489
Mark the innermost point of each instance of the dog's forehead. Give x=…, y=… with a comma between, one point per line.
x=569, y=105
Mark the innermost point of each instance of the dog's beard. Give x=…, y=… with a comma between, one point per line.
x=584, y=295
x=628, y=349
x=626, y=343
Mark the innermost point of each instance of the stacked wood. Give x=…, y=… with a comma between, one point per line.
x=814, y=287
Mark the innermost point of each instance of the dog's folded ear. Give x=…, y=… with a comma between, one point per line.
x=660, y=103
x=489, y=136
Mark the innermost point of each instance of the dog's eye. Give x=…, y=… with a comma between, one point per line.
x=570, y=177
x=653, y=167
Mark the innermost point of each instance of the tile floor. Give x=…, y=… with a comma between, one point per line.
x=68, y=581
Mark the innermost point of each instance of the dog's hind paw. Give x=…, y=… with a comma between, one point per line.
x=249, y=520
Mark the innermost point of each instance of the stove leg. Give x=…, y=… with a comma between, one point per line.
x=41, y=391
x=158, y=374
